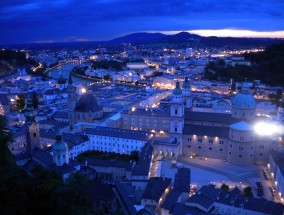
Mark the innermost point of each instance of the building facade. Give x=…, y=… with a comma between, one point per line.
x=226, y=136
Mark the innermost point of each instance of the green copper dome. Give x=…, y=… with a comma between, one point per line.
x=59, y=145
x=244, y=99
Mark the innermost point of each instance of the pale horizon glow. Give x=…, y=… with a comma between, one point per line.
x=230, y=33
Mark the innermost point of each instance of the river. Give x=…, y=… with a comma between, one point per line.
x=65, y=71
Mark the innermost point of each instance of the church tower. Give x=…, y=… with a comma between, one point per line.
x=60, y=151
x=177, y=114
x=33, y=127
x=280, y=110
x=72, y=99
x=186, y=94
x=61, y=83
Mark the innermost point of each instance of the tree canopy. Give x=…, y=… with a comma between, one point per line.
x=248, y=191
x=41, y=192
x=21, y=102
x=35, y=100
x=266, y=66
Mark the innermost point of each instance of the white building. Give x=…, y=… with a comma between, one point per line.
x=117, y=140
x=137, y=65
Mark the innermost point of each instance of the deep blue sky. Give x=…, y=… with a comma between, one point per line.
x=23, y=21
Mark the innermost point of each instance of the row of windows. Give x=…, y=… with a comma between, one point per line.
x=244, y=114
x=117, y=145
x=213, y=124
x=109, y=138
x=200, y=140
x=241, y=148
x=240, y=156
x=241, y=138
x=210, y=148
x=111, y=150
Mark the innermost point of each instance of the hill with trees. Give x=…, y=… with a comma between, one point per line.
x=266, y=66
x=185, y=38
x=11, y=60
x=40, y=192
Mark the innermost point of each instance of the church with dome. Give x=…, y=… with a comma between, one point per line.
x=86, y=109
x=57, y=159
x=230, y=137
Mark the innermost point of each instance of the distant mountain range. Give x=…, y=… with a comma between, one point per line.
x=191, y=39
x=180, y=39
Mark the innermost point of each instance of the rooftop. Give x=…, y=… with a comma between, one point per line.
x=202, y=130
x=242, y=126
x=182, y=180
x=119, y=133
x=88, y=103
x=155, y=188
x=209, y=117
x=143, y=166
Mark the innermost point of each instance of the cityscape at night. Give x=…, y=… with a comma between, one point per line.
x=124, y=107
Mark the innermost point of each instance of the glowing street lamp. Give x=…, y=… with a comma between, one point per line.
x=266, y=128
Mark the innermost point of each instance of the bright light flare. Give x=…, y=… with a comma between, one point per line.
x=83, y=90
x=264, y=128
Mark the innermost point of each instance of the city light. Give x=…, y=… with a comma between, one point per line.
x=265, y=128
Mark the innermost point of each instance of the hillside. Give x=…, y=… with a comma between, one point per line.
x=267, y=66
x=192, y=39
x=179, y=40
x=11, y=60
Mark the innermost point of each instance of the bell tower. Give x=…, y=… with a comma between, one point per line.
x=60, y=151
x=186, y=94
x=177, y=114
x=71, y=102
x=33, y=127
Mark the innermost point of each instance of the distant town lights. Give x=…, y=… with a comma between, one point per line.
x=265, y=128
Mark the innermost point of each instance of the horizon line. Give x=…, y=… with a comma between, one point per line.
x=229, y=32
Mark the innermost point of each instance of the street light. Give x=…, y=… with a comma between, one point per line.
x=266, y=128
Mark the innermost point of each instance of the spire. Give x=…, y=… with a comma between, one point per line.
x=70, y=88
x=30, y=113
x=59, y=146
x=58, y=136
x=70, y=81
x=245, y=88
x=177, y=84
x=177, y=90
x=186, y=84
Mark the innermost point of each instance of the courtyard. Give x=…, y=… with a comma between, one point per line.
x=206, y=171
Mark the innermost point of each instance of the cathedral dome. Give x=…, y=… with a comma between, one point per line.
x=88, y=103
x=244, y=99
x=59, y=145
x=177, y=90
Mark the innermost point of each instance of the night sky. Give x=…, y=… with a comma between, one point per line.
x=25, y=21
